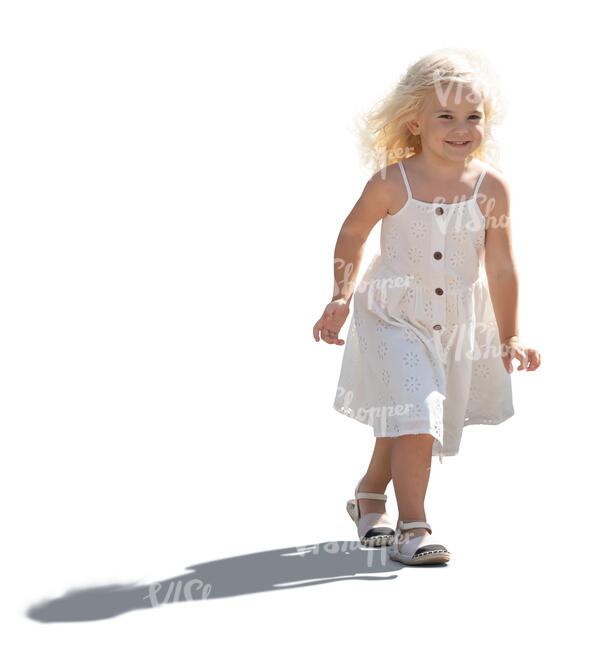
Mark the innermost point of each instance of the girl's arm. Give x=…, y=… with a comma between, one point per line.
x=371, y=206
x=499, y=260
x=503, y=279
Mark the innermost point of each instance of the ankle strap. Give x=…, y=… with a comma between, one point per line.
x=370, y=495
x=414, y=524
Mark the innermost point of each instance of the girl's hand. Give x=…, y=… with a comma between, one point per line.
x=333, y=318
x=529, y=358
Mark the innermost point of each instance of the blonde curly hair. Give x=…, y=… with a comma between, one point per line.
x=382, y=131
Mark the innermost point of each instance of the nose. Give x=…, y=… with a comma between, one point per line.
x=460, y=135
x=462, y=125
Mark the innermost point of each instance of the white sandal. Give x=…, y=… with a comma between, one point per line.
x=422, y=549
x=373, y=528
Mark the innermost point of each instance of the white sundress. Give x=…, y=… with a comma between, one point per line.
x=422, y=353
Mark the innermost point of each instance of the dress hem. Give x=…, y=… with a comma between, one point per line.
x=435, y=452
x=490, y=421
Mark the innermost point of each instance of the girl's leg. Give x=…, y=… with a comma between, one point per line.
x=378, y=476
x=410, y=468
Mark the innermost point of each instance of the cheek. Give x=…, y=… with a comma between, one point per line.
x=440, y=129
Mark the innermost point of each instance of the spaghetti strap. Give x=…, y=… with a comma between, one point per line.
x=405, y=179
x=478, y=183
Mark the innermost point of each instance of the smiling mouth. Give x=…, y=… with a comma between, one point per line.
x=458, y=143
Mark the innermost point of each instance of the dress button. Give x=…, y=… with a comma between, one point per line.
x=437, y=327
x=439, y=210
x=439, y=291
x=437, y=255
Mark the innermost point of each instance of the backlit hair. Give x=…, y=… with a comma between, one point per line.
x=383, y=134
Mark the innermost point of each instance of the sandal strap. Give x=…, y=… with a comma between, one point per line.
x=367, y=495
x=413, y=524
x=370, y=495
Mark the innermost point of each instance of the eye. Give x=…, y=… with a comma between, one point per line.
x=476, y=117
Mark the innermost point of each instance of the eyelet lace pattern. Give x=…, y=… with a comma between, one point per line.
x=422, y=354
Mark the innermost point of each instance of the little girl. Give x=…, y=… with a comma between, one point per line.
x=434, y=328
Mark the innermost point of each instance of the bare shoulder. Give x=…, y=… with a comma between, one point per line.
x=383, y=183
x=494, y=195
x=382, y=190
x=388, y=184
x=372, y=205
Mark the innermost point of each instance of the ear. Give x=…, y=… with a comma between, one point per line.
x=414, y=127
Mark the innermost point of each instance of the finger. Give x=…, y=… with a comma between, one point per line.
x=507, y=360
x=523, y=358
x=316, y=330
x=333, y=337
x=534, y=359
x=320, y=325
x=517, y=354
x=328, y=336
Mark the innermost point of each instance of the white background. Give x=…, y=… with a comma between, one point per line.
x=173, y=179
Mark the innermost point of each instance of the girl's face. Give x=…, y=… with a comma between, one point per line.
x=452, y=114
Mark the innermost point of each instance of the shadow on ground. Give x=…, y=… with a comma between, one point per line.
x=286, y=568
